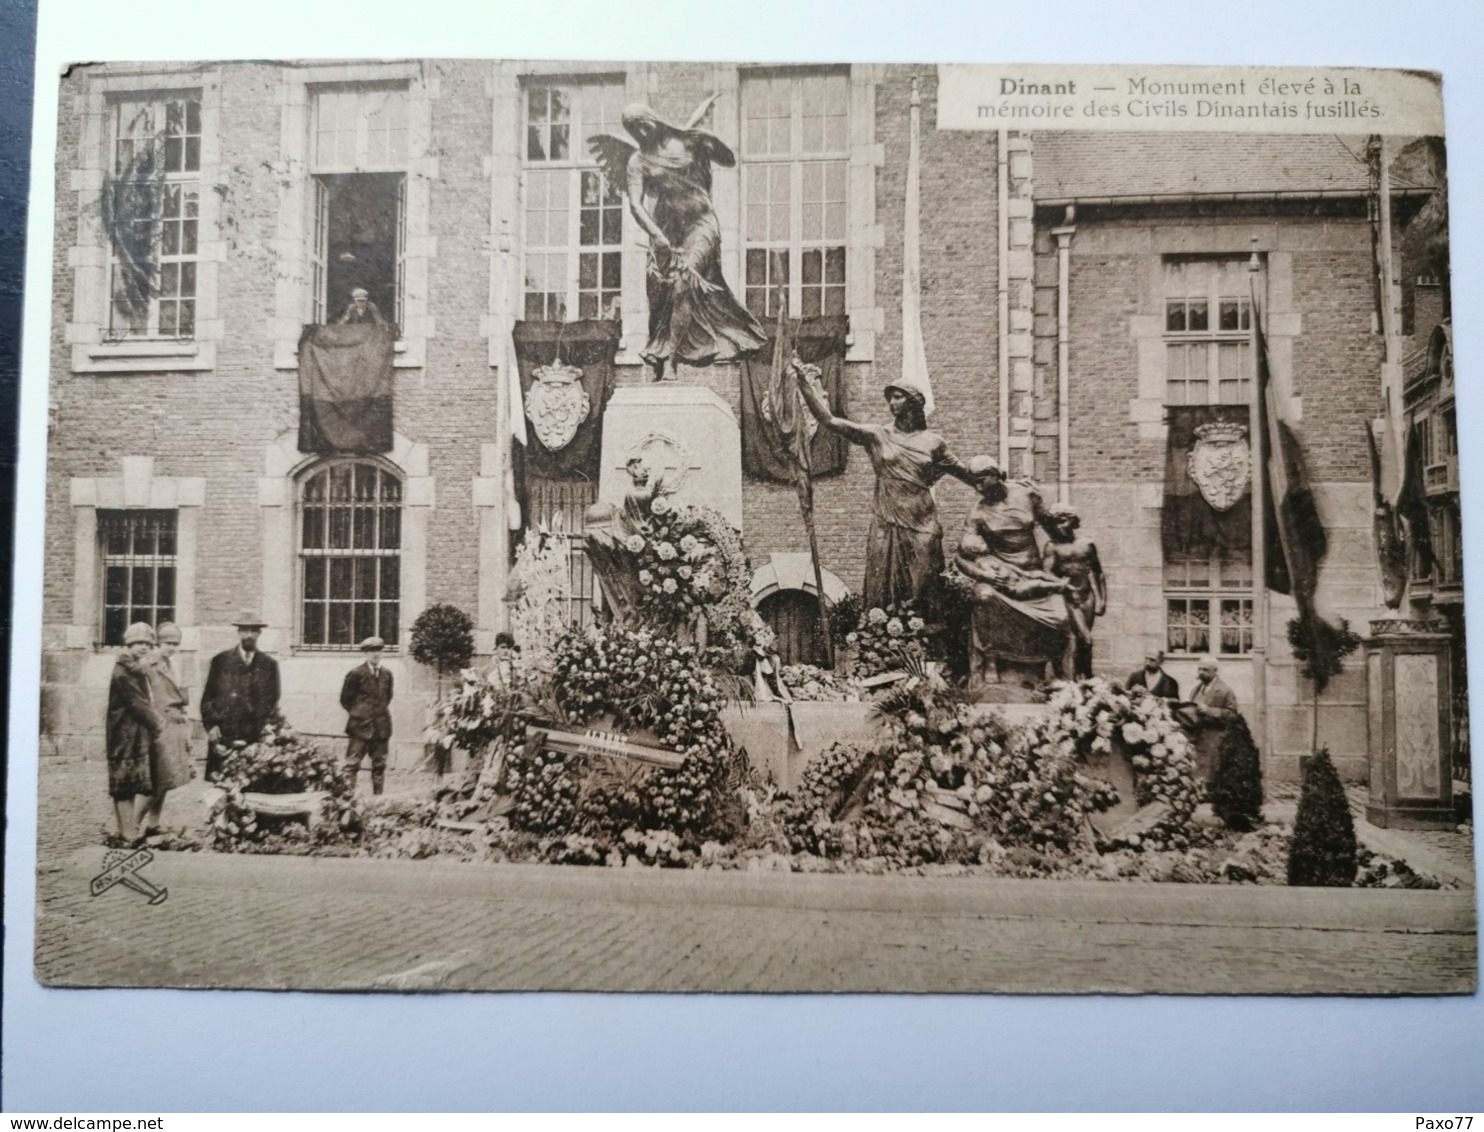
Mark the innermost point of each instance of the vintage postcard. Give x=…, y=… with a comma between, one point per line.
x=540, y=525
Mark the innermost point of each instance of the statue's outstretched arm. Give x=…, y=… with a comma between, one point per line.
x=856, y=434
x=951, y=465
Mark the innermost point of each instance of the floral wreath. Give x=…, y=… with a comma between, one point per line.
x=1097, y=716
x=280, y=762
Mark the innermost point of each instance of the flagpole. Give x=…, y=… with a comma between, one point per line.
x=783, y=348
x=1261, y=613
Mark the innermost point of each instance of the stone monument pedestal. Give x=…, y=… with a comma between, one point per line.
x=1409, y=705
x=686, y=435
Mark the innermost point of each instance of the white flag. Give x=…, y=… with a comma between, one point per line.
x=914, y=353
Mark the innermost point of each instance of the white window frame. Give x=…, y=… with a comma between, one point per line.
x=296, y=242
x=94, y=347
x=578, y=163
x=794, y=160
x=323, y=307
x=184, y=184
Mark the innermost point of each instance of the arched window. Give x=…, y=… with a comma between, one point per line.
x=350, y=554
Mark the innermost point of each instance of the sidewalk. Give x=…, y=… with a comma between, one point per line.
x=284, y=922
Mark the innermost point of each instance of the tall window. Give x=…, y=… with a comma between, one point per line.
x=138, y=552
x=359, y=153
x=350, y=555
x=573, y=215
x=795, y=171
x=1208, y=331
x=151, y=211
x=1209, y=600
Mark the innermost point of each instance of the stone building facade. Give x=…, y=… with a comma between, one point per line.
x=1049, y=262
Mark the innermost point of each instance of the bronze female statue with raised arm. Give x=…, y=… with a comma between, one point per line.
x=693, y=316
x=904, y=546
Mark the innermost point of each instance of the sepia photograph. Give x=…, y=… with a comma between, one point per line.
x=540, y=525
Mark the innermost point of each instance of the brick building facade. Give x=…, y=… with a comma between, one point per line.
x=1049, y=263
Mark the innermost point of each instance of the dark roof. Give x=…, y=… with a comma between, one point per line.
x=1085, y=165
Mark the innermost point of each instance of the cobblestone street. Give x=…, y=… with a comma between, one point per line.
x=273, y=922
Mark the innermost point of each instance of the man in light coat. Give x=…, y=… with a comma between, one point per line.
x=366, y=697
x=1215, y=706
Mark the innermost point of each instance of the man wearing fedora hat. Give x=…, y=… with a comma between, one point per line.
x=366, y=696
x=241, y=693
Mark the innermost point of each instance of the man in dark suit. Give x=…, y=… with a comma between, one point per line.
x=241, y=693
x=366, y=696
x=1154, y=677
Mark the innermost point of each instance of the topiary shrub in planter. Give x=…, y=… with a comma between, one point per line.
x=443, y=639
x=1236, y=785
x=1323, y=849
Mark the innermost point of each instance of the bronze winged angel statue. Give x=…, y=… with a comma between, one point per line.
x=693, y=316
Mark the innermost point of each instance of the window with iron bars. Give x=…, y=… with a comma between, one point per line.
x=152, y=215
x=795, y=176
x=137, y=550
x=560, y=506
x=573, y=216
x=350, y=555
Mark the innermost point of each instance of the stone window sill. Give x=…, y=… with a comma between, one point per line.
x=143, y=356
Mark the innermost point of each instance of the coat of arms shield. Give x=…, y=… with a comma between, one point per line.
x=1221, y=463
x=556, y=405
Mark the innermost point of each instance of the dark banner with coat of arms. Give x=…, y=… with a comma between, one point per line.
x=1208, y=481
x=566, y=379
x=821, y=344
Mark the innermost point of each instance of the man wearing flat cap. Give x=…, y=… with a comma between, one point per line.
x=241, y=693
x=361, y=308
x=366, y=697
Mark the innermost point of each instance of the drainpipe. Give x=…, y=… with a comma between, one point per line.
x=1064, y=354
x=1002, y=309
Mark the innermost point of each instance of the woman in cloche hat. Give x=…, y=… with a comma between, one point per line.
x=172, y=764
x=133, y=725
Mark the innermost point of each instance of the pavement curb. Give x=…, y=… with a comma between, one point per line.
x=1274, y=906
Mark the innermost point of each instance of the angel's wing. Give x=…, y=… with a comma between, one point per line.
x=709, y=148
x=613, y=155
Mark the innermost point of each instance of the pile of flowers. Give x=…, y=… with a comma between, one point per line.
x=810, y=683
x=1096, y=716
x=885, y=639
x=691, y=560
x=949, y=785
x=280, y=762
x=641, y=681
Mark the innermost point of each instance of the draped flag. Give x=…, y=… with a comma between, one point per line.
x=774, y=418
x=914, y=352
x=1291, y=519
x=345, y=388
